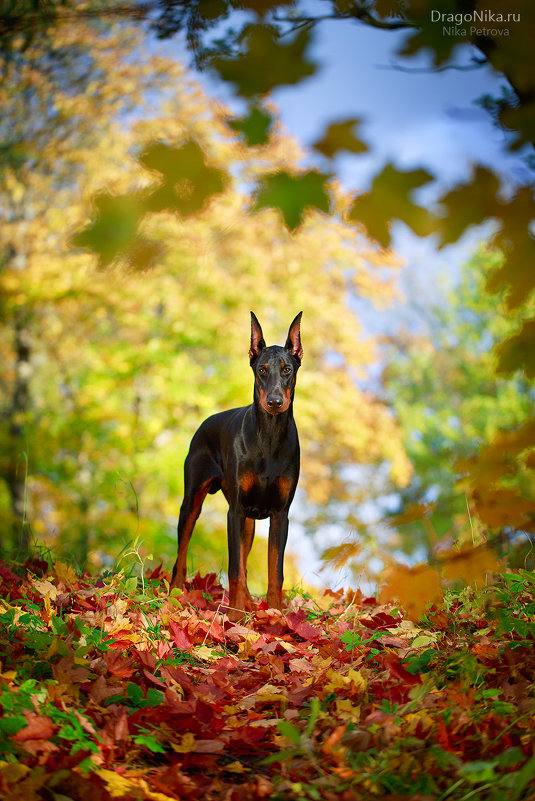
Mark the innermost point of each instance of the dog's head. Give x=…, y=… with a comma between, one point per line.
x=275, y=367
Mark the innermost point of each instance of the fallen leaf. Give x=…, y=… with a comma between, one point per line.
x=66, y=574
x=45, y=587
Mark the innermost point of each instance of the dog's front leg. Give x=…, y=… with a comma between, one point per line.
x=278, y=534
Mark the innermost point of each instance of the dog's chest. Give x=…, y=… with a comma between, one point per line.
x=261, y=495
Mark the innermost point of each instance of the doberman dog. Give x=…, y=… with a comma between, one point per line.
x=252, y=455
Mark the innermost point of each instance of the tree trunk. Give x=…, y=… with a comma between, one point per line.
x=16, y=478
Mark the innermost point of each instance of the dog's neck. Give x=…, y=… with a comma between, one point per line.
x=271, y=428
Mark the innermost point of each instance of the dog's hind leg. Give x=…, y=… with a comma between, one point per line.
x=200, y=478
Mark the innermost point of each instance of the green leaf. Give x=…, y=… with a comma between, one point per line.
x=511, y=757
x=130, y=585
x=351, y=639
x=491, y=692
x=69, y=732
x=113, y=229
x=256, y=127
x=134, y=693
x=428, y=34
x=420, y=663
x=288, y=730
x=149, y=742
x=136, y=698
x=188, y=182
x=279, y=756
x=293, y=194
x=479, y=771
x=389, y=198
x=518, y=352
x=28, y=686
x=59, y=626
x=314, y=712
x=515, y=240
x=10, y=726
x=266, y=62
x=38, y=640
x=154, y=697
x=340, y=136
x=469, y=204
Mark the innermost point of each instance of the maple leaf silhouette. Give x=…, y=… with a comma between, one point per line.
x=267, y=62
x=188, y=182
x=292, y=195
x=390, y=198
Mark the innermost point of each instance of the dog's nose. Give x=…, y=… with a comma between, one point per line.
x=274, y=401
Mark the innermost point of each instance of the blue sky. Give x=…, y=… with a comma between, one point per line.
x=421, y=119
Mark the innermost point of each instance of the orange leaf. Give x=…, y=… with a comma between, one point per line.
x=415, y=588
x=38, y=727
x=339, y=555
x=470, y=564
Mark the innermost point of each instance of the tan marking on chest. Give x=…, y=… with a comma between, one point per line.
x=247, y=481
x=284, y=486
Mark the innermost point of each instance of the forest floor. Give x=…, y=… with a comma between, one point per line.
x=113, y=689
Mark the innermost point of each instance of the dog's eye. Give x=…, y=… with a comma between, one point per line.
x=286, y=369
x=262, y=370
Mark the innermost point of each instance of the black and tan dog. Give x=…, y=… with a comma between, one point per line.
x=252, y=455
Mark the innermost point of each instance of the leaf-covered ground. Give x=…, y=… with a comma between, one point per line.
x=114, y=690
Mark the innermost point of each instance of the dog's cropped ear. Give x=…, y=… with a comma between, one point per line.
x=257, y=339
x=293, y=343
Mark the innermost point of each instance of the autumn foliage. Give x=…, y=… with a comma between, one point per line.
x=112, y=688
x=141, y=221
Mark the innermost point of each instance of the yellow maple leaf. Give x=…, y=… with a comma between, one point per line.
x=269, y=692
x=186, y=745
x=347, y=710
x=288, y=646
x=470, y=564
x=339, y=555
x=352, y=680
x=48, y=610
x=65, y=573
x=13, y=772
x=206, y=653
x=235, y=767
x=117, y=785
x=415, y=588
x=8, y=677
x=119, y=624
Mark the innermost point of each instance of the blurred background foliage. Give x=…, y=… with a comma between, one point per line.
x=141, y=221
x=449, y=401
